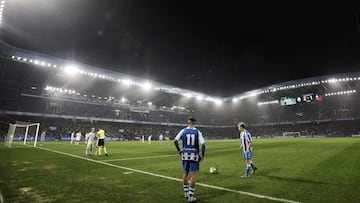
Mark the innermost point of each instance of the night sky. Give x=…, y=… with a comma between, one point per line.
x=217, y=48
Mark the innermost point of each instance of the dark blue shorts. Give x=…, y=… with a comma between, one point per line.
x=190, y=166
x=247, y=155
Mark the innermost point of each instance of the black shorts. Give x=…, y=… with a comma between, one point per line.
x=101, y=142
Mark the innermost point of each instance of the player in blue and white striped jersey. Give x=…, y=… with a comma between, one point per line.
x=246, y=145
x=190, y=155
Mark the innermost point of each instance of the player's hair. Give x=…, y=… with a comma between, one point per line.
x=242, y=124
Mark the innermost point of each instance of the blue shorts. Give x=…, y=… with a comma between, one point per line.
x=247, y=155
x=190, y=166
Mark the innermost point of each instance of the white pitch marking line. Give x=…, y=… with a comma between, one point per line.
x=172, y=178
x=1, y=198
x=134, y=158
x=160, y=156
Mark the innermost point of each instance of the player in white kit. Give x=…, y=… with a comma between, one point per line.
x=72, y=137
x=161, y=137
x=78, y=138
x=90, y=141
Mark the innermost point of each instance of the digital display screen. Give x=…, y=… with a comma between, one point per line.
x=308, y=97
x=287, y=101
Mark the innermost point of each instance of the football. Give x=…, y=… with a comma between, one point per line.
x=212, y=170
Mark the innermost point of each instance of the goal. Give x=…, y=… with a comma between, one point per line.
x=22, y=132
x=292, y=134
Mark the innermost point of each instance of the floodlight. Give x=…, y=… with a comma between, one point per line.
x=199, y=98
x=70, y=69
x=127, y=82
x=123, y=99
x=234, y=99
x=147, y=86
x=149, y=103
x=218, y=101
x=189, y=95
x=36, y=62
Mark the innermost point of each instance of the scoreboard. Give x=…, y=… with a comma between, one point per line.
x=305, y=98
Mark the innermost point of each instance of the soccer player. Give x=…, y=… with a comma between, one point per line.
x=101, y=143
x=42, y=137
x=91, y=136
x=246, y=145
x=190, y=154
x=78, y=138
x=161, y=137
x=72, y=137
x=149, y=139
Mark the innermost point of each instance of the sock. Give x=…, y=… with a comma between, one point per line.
x=247, y=170
x=100, y=148
x=191, y=191
x=186, y=188
x=105, y=150
x=253, y=166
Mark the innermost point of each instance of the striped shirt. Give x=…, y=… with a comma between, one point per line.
x=246, y=139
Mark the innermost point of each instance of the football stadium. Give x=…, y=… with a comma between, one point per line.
x=304, y=129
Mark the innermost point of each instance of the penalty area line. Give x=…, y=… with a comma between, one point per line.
x=171, y=178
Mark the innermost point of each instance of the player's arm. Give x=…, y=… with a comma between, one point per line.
x=176, y=140
x=203, y=146
x=240, y=141
x=248, y=137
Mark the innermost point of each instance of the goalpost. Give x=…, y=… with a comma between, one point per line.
x=292, y=134
x=20, y=132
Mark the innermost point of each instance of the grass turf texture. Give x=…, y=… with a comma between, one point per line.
x=304, y=170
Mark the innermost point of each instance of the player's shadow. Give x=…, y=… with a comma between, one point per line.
x=265, y=173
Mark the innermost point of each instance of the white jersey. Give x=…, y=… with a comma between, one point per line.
x=245, y=138
x=78, y=136
x=91, y=137
x=161, y=137
x=42, y=136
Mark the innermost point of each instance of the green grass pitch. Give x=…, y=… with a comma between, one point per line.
x=300, y=170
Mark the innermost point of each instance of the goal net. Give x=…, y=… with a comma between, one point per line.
x=21, y=132
x=292, y=134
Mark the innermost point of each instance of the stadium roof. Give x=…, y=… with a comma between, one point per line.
x=88, y=73
x=217, y=49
